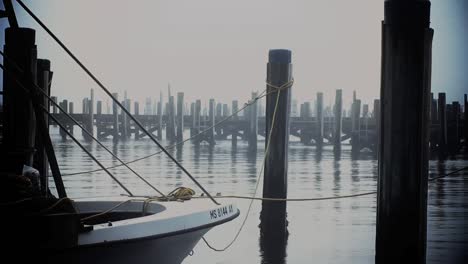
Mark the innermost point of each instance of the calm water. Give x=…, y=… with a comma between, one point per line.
x=333, y=231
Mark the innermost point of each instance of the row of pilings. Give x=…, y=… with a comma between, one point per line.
x=329, y=125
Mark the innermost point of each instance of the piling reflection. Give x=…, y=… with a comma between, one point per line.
x=273, y=233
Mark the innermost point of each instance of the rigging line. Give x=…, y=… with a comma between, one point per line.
x=259, y=177
x=80, y=126
x=67, y=132
x=85, y=150
x=252, y=101
x=448, y=174
x=94, y=78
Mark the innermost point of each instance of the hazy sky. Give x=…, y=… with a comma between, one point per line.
x=217, y=48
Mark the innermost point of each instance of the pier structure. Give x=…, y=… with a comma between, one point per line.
x=326, y=125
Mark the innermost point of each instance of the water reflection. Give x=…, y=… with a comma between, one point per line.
x=273, y=233
x=341, y=231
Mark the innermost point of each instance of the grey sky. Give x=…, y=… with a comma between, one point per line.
x=215, y=48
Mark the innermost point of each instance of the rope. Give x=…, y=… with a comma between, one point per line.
x=259, y=177
x=249, y=103
x=82, y=128
x=125, y=110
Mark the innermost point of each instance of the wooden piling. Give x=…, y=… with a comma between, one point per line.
x=197, y=120
x=170, y=122
x=192, y=116
x=356, y=127
x=64, y=106
x=180, y=117
x=452, y=129
x=279, y=72
x=403, y=159
x=99, y=108
x=41, y=163
x=338, y=112
x=465, y=126
x=211, y=121
x=235, y=117
x=115, y=114
x=19, y=122
x=225, y=110
x=160, y=116
x=253, y=124
x=54, y=107
x=442, y=116
x=319, y=124
x=136, y=108
x=376, y=116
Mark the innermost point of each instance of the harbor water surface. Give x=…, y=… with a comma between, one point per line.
x=329, y=231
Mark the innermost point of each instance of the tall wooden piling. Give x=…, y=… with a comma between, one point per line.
x=376, y=116
x=235, y=117
x=338, y=112
x=192, y=116
x=19, y=122
x=136, y=108
x=465, y=126
x=159, y=112
x=279, y=72
x=197, y=120
x=210, y=134
x=253, y=124
x=319, y=126
x=225, y=110
x=99, y=108
x=180, y=117
x=365, y=120
x=71, y=108
x=453, y=127
x=54, y=107
x=442, y=116
x=64, y=106
x=403, y=159
x=170, y=122
x=115, y=114
x=41, y=163
x=89, y=123
x=356, y=127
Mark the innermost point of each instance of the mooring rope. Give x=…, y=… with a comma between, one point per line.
x=278, y=90
x=38, y=89
x=104, y=88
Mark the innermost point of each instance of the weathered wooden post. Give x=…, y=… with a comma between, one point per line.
x=356, y=127
x=365, y=119
x=180, y=117
x=115, y=114
x=376, y=116
x=319, y=126
x=71, y=108
x=160, y=116
x=442, y=124
x=465, y=126
x=253, y=124
x=452, y=130
x=211, y=121
x=41, y=163
x=170, y=122
x=403, y=160
x=54, y=107
x=225, y=110
x=197, y=120
x=273, y=214
x=89, y=121
x=99, y=107
x=235, y=117
x=338, y=112
x=192, y=116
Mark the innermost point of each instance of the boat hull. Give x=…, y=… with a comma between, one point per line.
x=165, y=250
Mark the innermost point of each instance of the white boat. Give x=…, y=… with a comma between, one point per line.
x=143, y=232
